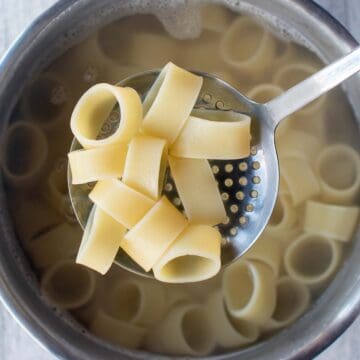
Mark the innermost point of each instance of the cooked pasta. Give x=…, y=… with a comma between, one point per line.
x=199, y=193
x=267, y=250
x=292, y=299
x=55, y=244
x=145, y=165
x=253, y=53
x=283, y=216
x=42, y=217
x=334, y=221
x=338, y=170
x=155, y=232
x=300, y=179
x=95, y=106
x=100, y=242
x=312, y=259
x=24, y=154
x=298, y=143
x=169, y=102
x=46, y=101
x=193, y=256
x=289, y=75
x=124, y=204
x=68, y=285
x=136, y=301
x=159, y=49
x=225, y=139
x=117, y=331
x=56, y=191
x=185, y=330
x=255, y=299
x=228, y=332
x=216, y=18
x=96, y=164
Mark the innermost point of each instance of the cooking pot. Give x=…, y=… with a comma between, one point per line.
x=68, y=22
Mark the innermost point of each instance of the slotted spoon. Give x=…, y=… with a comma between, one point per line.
x=248, y=186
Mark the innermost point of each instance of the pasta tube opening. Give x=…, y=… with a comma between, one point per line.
x=312, y=259
x=68, y=285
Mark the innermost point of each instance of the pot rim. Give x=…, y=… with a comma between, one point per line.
x=28, y=317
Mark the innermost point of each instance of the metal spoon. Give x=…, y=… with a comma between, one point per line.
x=249, y=186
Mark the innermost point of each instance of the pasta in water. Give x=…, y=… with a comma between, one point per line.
x=68, y=285
x=229, y=333
x=254, y=301
x=311, y=259
x=312, y=226
x=184, y=330
x=333, y=221
x=23, y=168
x=138, y=302
x=338, y=170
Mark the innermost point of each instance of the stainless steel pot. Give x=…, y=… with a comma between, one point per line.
x=64, y=24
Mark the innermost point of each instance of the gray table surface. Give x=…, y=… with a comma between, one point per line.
x=15, y=343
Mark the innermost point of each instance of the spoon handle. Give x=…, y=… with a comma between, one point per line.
x=311, y=88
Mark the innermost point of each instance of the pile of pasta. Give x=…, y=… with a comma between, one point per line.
x=129, y=169
x=304, y=244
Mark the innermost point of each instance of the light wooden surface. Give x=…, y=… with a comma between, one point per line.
x=15, y=343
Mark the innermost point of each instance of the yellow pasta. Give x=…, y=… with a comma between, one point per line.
x=253, y=54
x=124, y=204
x=47, y=101
x=68, y=285
x=228, y=333
x=117, y=331
x=95, y=106
x=155, y=232
x=199, y=192
x=169, y=102
x=216, y=18
x=283, y=216
x=185, y=330
x=292, y=299
x=193, y=256
x=136, y=301
x=176, y=295
x=255, y=299
x=334, y=221
x=267, y=250
x=298, y=143
x=145, y=165
x=300, y=179
x=338, y=170
x=225, y=139
x=159, y=50
x=97, y=164
x=311, y=259
x=58, y=243
x=32, y=217
x=100, y=242
x=24, y=154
